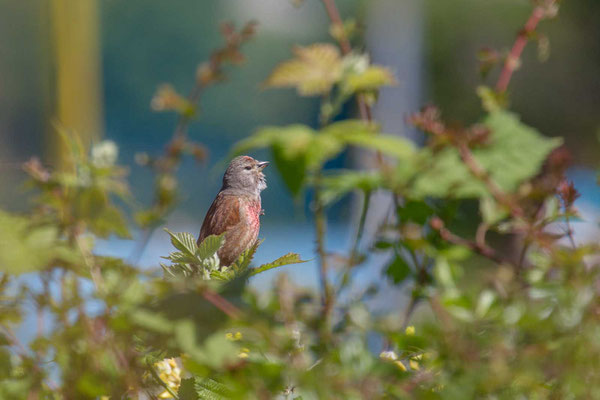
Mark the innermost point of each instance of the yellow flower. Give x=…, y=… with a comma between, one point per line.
x=414, y=364
x=244, y=353
x=400, y=365
x=410, y=330
x=170, y=373
x=233, y=336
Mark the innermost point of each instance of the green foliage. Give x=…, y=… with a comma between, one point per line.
x=300, y=152
x=480, y=321
x=289, y=258
x=25, y=247
x=515, y=152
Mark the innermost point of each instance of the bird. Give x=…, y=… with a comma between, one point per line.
x=237, y=208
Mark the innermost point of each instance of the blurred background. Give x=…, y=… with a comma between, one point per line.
x=93, y=66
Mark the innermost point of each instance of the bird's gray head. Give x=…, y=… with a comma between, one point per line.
x=245, y=174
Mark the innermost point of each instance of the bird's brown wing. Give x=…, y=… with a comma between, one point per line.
x=223, y=214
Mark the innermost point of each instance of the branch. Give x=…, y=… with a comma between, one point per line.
x=363, y=107
x=480, y=173
x=361, y=226
x=321, y=227
x=221, y=303
x=481, y=249
x=512, y=60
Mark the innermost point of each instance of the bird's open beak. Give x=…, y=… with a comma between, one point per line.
x=262, y=164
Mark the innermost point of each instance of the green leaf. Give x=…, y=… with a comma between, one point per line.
x=336, y=186
x=25, y=247
x=398, y=270
x=314, y=70
x=415, y=211
x=515, y=153
x=243, y=261
x=209, y=389
x=370, y=79
x=290, y=258
x=491, y=211
x=183, y=242
x=390, y=145
x=264, y=137
x=187, y=390
x=210, y=245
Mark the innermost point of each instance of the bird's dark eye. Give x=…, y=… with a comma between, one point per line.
x=248, y=168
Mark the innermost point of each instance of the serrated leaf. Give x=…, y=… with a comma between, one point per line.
x=209, y=389
x=514, y=154
x=359, y=133
x=370, y=79
x=290, y=258
x=333, y=187
x=244, y=260
x=209, y=246
x=390, y=145
x=25, y=247
x=314, y=70
x=183, y=242
x=187, y=389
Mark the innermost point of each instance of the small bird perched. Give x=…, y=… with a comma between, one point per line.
x=237, y=208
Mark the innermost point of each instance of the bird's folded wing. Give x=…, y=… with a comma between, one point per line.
x=223, y=214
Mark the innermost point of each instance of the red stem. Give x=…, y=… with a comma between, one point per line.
x=363, y=107
x=221, y=303
x=511, y=63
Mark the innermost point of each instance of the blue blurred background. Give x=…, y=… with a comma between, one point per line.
x=95, y=65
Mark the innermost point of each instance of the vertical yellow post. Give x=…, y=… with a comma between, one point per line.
x=78, y=82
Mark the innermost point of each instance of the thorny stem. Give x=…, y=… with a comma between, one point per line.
x=513, y=58
x=364, y=109
x=410, y=308
x=480, y=173
x=570, y=231
x=23, y=353
x=420, y=271
x=481, y=249
x=336, y=19
x=321, y=228
x=221, y=303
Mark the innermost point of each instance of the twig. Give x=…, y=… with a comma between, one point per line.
x=410, y=308
x=513, y=58
x=321, y=228
x=23, y=353
x=570, y=232
x=345, y=46
x=336, y=19
x=361, y=225
x=484, y=250
x=221, y=303
x=480, y=173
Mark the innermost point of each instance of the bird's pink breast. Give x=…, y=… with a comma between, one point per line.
x=254, y=209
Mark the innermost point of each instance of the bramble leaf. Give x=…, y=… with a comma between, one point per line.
x=370, y=79
x=336, y=186
x=515, y=153
x=183, y=242
x=290, y=258
x=210, y=245
x=314, y=70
